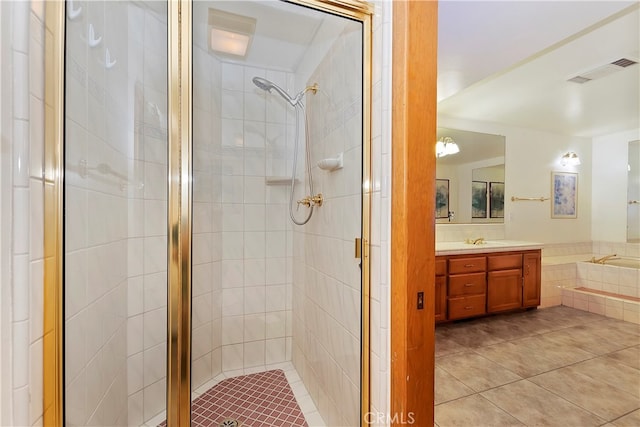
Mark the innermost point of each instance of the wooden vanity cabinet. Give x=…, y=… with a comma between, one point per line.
x=467, y=288
x=441, y=289
x=478, y=284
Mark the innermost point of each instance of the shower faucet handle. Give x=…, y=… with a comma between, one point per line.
x=311, y=201
x=306, y=201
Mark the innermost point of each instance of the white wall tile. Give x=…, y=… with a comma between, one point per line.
x=232, y=357
x=20, y=355
x=254, y=353
x=232, y=76
x=232, y=330
x=35, y=381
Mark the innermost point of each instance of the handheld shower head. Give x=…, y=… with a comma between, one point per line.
x=267, y=85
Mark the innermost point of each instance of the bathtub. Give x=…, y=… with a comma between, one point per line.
x=611, y=289
x=624, y=262
x=617, y=275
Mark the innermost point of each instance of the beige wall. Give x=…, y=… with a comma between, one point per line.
x=530, y=158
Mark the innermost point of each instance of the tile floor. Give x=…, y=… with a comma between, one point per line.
x=262, y=399
x=556, y=366
x=298, y=388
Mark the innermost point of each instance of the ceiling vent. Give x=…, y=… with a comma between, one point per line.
x=603, y=70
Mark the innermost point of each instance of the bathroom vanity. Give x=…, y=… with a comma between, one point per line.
x=476, y=280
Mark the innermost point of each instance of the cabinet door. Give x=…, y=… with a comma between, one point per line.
x=441, y=298
x=504, y=290
x=531, y=283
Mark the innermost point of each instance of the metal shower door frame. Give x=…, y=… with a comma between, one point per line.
x=179, y=205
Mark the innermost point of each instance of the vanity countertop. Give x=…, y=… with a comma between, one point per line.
x=461, y=248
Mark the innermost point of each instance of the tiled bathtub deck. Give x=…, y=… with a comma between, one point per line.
x=556, y=366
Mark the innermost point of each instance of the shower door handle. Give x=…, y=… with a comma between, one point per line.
x=358, y=248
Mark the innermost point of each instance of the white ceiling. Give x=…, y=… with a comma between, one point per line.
x=508, y=62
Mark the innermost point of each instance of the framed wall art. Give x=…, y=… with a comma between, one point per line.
x=496, y=199
x=564, y=187
x=478, y=199
x=442, y=198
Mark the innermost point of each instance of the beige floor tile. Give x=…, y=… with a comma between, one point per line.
x=582, y=368
x=622, y=326
x=535, y=406
x=447, y=387
x=565, y=317
x=472, y=411
x=629, y=420
x=629, y=356
x=507, y=328
x=533, y=355
x=446, y=345
x=615, y=374
x=518, y=359
x=475, y=371
x=584, y=338
x=471, y=335
x=563, y=354
x=603, y=400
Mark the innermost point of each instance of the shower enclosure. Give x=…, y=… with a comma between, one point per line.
x=213, y=208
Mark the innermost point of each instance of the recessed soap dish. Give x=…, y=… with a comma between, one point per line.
x=332, y=164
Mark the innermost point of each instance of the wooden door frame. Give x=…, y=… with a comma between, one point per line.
x=414, y=120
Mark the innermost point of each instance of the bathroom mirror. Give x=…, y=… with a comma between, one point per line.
x=475, y=176
x=633, y=193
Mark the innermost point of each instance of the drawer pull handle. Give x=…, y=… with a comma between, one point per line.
x=468, y=285
x=469, y=265
x=468, y=308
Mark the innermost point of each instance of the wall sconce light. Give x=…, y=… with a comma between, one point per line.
x=445, y=146
x=230, y=34
x=570, y=158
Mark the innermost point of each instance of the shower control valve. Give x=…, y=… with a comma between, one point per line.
x=306, y=201
x=311, y=201
x=317, y=199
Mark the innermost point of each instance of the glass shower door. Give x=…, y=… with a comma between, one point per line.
x=115, y=212
x=278, y=202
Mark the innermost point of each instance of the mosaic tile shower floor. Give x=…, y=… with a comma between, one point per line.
x=255, y=400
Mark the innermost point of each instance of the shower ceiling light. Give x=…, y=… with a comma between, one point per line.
x=446, y=146
x=570, y=158
x=230, y=43
x=230, y=34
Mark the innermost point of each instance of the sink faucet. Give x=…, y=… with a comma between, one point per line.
x=603, y=259
x=478, y=241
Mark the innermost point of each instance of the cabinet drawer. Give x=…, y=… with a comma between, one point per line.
x=467, y=265
x=467, y=284
x=503, y=262
x=466, y=306
x=441, y=267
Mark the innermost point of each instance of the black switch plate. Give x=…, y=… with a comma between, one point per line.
x=420, y=300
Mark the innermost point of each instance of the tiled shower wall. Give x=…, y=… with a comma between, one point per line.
x=98, y=151
x=146, y=122
x=381, y=211
x=207, y=219
x=256, y=237
x=22, y=105
x=327, y=279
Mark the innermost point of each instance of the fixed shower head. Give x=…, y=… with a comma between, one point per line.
x=267, y=85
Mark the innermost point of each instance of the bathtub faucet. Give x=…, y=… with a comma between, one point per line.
x=603, y=259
